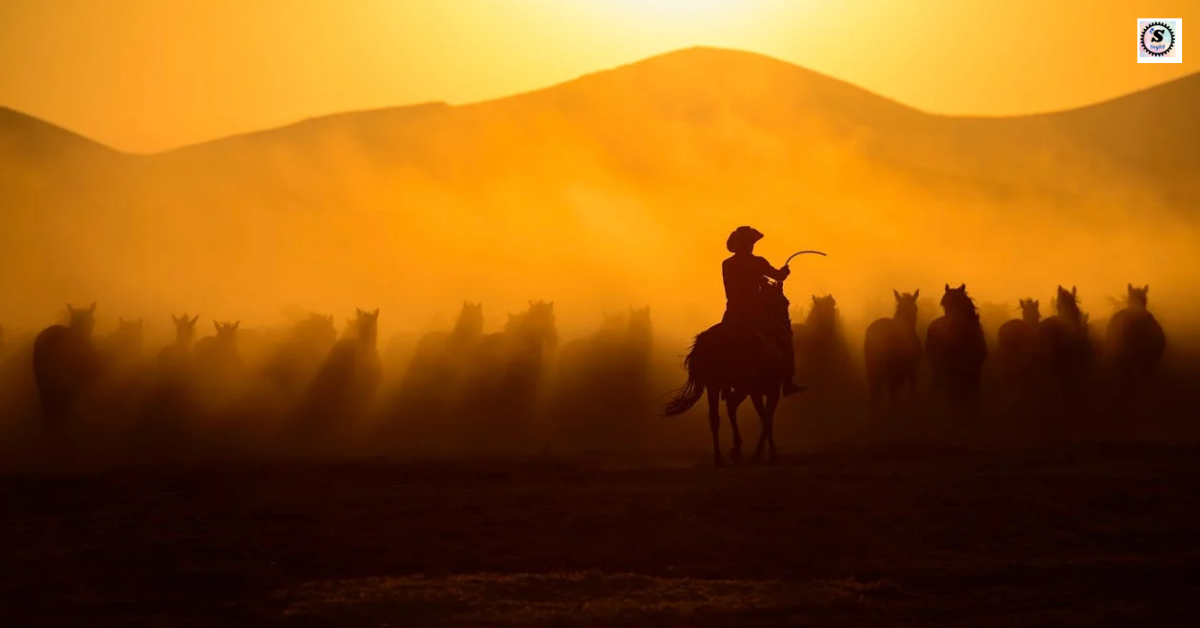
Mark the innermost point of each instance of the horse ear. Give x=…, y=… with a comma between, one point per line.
x=1073, y=292
x=962, y=287
x=1146, y=288
x=235, y=325
x=896, y=293
x=375, y=313
x=70, y=309
x=1129, y=287
x=195, y=318
x=217, y=325
x=814, y=298
x=917, y=293
x=947, y=287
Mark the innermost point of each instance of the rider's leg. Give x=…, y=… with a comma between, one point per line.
x=788, y=349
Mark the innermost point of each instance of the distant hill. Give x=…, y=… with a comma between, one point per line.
x=626, y=176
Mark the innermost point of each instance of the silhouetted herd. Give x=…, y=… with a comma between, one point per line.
x=308, y=387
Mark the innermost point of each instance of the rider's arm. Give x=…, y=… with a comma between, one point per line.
x=770, y=271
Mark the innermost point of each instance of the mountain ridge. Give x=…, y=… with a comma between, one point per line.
x=1190, y=81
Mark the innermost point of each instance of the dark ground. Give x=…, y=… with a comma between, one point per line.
x=1079, y=536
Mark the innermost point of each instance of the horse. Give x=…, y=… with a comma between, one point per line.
x=1016, y=342
x=218, y=364
x=440, y=356
x=122, y=362
x=1134, y=341
x=892, y=351
x=956, y=350
x=293, y=364
x=345, y=386
x=180, y=351
x=423, y=406
x=168, y=401
x=734, y=362
x=821, y=353
x=1063, y=341
x=507, y=369
x=602, y=380
x=66, y=364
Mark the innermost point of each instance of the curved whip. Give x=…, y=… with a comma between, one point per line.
x=789, y=259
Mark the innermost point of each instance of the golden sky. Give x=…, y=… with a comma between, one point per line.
x=148, y=75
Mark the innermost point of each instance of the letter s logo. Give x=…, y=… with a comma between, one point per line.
x=1157, y=35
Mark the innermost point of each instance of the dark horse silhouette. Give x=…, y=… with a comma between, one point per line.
x=293, y=364
x=434, y=378
x=65, y=363
x=345, y=385
x=602, y=383
x=956, y=350
x=506, y=375
x=168, y=398
x=822, y=357
x=736, y=362
x=892, y=351
x=1134, y=342
x=1016, y=341
x=1064, y=343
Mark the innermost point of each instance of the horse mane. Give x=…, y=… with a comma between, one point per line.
x=958, y=304
x=470, y=320
x=824, y=310
x=1067, y=305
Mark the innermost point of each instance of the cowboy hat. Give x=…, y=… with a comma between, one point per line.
x=742, y=237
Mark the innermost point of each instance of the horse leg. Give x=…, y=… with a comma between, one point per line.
x=763, y=433
x=714, y=422
x=768, y=418
x=734, y=399
x=875, y=387
x=765, y=412
x=910, y=380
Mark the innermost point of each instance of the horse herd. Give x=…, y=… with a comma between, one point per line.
x=306, y=385
x=309, y=382
x=1051, y=358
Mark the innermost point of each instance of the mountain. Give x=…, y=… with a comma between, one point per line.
x=611, y=184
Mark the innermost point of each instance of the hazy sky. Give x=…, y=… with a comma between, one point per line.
x=147, y=75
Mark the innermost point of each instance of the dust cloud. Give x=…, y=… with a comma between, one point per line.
x=606, y=195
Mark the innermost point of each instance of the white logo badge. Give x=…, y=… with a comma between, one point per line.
x=1160, y=40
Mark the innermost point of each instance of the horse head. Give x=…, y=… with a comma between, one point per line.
x=366, y=326
x=906, y=305
x=958, y=304
x=1030, y=311
x=470, y=320
x=227, y=332
x=1137, y=297
x=82, y=320
x=1066, y=304
x=185, y=328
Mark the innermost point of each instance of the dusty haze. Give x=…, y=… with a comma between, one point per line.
x=617, y=189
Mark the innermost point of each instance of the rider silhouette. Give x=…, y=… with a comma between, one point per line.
x=745, y=276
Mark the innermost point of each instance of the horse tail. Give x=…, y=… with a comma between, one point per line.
x=686, y=396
